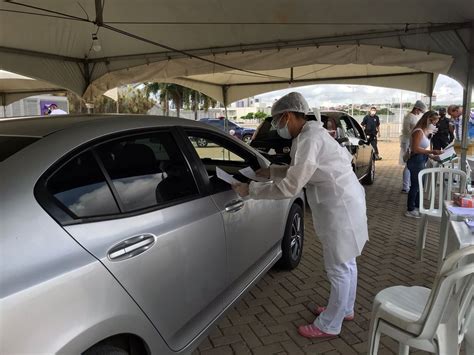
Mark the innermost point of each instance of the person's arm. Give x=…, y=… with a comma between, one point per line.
x=296, y=178
x=451, y=132
x=305, y=163
x=364, y=121
x=278, y=171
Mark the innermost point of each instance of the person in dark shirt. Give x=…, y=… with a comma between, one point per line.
x=371, y=123
x=445, y=133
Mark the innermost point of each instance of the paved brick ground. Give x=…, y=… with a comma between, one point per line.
x=265, y=320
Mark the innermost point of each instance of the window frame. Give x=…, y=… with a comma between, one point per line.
x=65, y=217
x=186, y=132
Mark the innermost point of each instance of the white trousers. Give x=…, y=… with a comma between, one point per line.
x=406, y=179
x=343, y=279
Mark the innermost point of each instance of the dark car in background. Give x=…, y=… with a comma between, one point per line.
x=242, y=133
x=344, y=128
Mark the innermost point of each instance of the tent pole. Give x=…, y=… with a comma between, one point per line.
x=224, y=97
x=431, y=89
x=226, y=119
x=4, y=104
x=467, y=98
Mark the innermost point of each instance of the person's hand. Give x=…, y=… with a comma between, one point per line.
x=434, y=157
x=263, y=172
x=436, y=152
x=241, y=189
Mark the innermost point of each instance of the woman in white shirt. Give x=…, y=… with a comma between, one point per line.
x=337, y=202
x=419, y=153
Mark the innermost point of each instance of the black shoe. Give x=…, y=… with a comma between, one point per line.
x=378, y=157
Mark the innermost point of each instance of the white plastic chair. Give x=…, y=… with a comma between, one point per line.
x=436, y=320
x=440, y=186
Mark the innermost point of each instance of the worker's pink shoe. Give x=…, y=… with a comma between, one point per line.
x=311, y=331
x=319, y=310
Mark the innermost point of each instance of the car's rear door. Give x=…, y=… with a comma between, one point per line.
x=135, y=203
x=254, y=228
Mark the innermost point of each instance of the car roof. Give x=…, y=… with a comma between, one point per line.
x=41, y=126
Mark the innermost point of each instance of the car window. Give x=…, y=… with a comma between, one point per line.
x=147, y=170
x=80, y=186
x=348, y=127
x=222, y=153
x=10, y=145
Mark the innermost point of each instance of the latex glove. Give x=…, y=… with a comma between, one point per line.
x=263, y=172
x=241, y=189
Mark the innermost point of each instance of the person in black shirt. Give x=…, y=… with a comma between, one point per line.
x=445, y=133
x=371, y=125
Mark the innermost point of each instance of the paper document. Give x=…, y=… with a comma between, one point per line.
x=221, y=174
x=248, y=172
x=470, y=223
x=461, y=211
x=447, y=154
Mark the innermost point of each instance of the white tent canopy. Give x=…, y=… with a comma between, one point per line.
x=203, y=44
x=230, y=50
x=14, y=87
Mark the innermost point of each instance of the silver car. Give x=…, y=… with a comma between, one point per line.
x=117, y=236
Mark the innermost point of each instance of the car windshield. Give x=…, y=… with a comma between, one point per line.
x=10, y=145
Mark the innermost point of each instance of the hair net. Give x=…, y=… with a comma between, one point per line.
x=292, y=102
x=420, y=105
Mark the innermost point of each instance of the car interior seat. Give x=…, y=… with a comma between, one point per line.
x=136, y=160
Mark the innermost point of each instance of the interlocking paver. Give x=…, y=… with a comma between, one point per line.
x=265, y=321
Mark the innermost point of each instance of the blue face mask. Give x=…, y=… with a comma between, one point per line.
x=284, y=132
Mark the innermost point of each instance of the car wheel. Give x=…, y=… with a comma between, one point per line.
x=292, y=243
x=247, y=138
x=201, y=142
x=106, y=349
x=370, y=177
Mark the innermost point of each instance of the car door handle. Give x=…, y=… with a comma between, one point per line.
x=131, y=247
x=234, y=206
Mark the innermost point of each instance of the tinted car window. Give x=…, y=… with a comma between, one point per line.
x=147, y=170
x=11, y=145
x=81, y=187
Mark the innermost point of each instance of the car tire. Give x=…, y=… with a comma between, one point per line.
x=201, y=142
x=106, y=349
x=247, y=138
x=370, y=177
x=292, y=242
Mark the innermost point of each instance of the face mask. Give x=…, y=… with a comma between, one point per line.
x=283, y=132
x=432, y=128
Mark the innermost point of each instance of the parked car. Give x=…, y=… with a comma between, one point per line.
x=344, y=128
x=242, y=133
x=117, y=236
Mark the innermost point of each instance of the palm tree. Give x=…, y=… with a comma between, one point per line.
x=180, y=96
x=167, y=92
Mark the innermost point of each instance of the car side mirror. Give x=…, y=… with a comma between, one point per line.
x=343, y=140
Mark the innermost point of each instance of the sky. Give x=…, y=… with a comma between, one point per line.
x=447, y=91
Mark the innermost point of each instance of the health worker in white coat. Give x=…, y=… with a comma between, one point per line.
x=337, y=202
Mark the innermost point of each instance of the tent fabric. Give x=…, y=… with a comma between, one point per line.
x=364, y=65
x=390, y=43
x=14, y=87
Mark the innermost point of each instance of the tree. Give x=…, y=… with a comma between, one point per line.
x=181, y=97
x=169, y=92
x=260, y=115
x=131, y=101
x=249, y=116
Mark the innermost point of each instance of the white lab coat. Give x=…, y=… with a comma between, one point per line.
x=336, y=197
x=409, y=123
